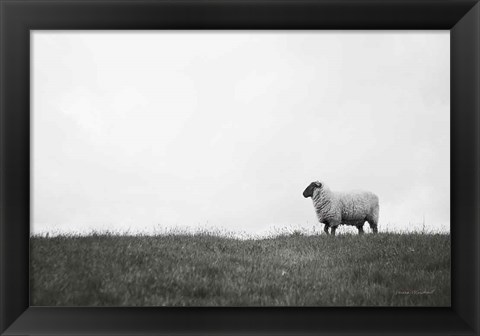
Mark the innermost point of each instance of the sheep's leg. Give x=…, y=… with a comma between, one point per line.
x=332, y=230
x=373, y=219
x=360, y=229
x=325, y=228
x=373, y=226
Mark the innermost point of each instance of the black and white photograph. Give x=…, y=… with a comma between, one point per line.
x=226, y=168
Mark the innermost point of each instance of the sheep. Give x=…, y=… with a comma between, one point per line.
x=335, y=208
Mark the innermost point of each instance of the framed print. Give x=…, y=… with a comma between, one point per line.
x=267, y=167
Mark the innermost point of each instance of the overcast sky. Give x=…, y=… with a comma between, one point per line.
x=149, y=131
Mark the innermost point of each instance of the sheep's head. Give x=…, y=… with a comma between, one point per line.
x=309, y=191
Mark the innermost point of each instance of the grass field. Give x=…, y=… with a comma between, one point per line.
x=207, y=270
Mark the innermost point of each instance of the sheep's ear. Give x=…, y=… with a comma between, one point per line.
x=318, y=184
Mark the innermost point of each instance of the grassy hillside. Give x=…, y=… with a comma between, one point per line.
x=204, y=270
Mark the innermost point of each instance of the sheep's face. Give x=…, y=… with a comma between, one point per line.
x=309, y=191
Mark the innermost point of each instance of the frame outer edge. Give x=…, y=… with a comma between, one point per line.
x=476, y=295
x=476, y=225
x=3, y=306
x=3, y=256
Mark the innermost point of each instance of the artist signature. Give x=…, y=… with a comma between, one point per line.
x=415, y=292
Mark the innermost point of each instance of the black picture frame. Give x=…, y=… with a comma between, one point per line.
x=18, y=17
